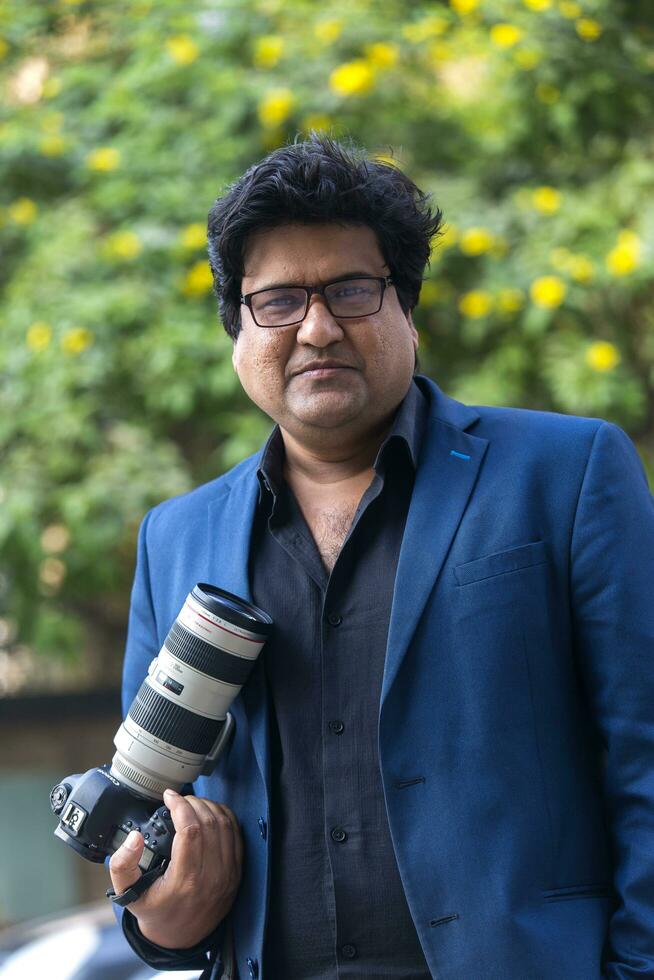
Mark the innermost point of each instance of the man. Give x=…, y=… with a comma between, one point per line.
x=443, y=764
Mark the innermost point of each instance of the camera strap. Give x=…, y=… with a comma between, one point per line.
x=136, y=890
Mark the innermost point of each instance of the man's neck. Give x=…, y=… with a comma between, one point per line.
x=324, y=464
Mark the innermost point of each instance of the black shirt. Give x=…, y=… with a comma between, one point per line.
x=337, y=906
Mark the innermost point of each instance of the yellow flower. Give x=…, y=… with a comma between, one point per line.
x=194, y=236
x=476, y=304
x=76, y=340
x=538, y=5
x=510, y=300
x=4, y=47
x=268, y=50
x=275, y=107
x=549, y=94
x=352, y=78
x=39, y=336
x=602, y=355
x=581, y=268
x=570, y=9
x=588, y=29
x=182, y=49
x=475, y=241
x=464, y=7
x=23, y=211
x=382, y=54
x=52, y=146
x=122, y=245
x=198, y=280
x=328, y=31
x=547, y=200
x=319, y=122
x=55, y=538
x=625, y=257
x=104, y=159
x=548, y=291
x=527, y=58
x=422, y=30
x=505, y=35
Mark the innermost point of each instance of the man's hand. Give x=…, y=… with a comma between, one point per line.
x=199, y=886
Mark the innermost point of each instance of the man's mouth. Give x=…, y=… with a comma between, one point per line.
x=322, y=369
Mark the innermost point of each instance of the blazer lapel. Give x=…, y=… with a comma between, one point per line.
x=231, y=518
x=448, y=467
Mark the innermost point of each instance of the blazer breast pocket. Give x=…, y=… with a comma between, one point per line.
x=501, y=563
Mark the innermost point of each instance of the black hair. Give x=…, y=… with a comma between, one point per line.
x=318, y=181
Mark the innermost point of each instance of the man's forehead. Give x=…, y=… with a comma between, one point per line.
x=312, y=253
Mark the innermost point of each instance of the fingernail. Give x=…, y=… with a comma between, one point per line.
x=170, y=792
x=132, y=840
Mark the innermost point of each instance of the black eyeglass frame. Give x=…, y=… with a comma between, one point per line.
x=386, y=281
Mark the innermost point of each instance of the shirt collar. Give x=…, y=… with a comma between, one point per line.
x=406, y=434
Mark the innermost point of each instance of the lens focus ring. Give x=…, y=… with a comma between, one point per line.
x=197, y=653
x=173, y=724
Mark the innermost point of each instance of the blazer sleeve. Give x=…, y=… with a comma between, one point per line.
x=612, y=589
x=142, y=646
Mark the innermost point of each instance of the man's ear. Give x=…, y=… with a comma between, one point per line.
x=412, y=329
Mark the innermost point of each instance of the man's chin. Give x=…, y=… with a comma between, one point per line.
x=328, y=410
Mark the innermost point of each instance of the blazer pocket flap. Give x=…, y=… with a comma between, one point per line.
x=597, y=890
x=504, y=561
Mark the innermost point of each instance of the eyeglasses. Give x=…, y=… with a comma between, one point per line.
x=344, y=298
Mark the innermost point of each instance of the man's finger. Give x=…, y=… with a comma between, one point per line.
x=124, y=863
x=186, y=854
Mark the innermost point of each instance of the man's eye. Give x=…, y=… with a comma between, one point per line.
x=348, y=292
x=284, y=300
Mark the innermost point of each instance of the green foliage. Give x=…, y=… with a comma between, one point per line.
x=529, y=120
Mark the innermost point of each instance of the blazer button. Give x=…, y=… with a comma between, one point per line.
x=253, y=968
x=263, y=829
x=349, y=951
x=337, y=727
x=339, y=835
x=334, y=619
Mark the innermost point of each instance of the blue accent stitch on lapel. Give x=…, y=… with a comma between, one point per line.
x=453, y=452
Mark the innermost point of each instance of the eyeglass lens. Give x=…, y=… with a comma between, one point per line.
x=285, y=305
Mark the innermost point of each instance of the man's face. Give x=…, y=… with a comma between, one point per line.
x=373, y=356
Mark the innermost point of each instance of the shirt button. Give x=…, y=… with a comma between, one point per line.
x=263, y=829
x=334, y=619
x=339, y=835
x=336, y=727
x=349, y=951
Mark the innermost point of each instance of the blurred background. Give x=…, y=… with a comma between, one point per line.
x=530, y=121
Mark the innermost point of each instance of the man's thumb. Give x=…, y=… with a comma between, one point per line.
x=124, y=863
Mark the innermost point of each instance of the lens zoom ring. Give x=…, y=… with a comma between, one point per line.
x=195, y=652
x=172, y=723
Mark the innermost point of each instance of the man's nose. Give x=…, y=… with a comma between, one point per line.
x=319, y=328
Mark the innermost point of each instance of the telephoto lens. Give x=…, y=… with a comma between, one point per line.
x=175, y=730
x=174, y=724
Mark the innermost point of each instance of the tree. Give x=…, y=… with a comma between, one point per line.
x=528, y=120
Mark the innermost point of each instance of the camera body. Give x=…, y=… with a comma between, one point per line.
x=96, y=813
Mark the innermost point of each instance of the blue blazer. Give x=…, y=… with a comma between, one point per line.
x=516, y=721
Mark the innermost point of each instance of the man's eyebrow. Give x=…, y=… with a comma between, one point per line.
x=357, y=274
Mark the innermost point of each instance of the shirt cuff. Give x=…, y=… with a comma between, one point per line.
x=158, y=957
